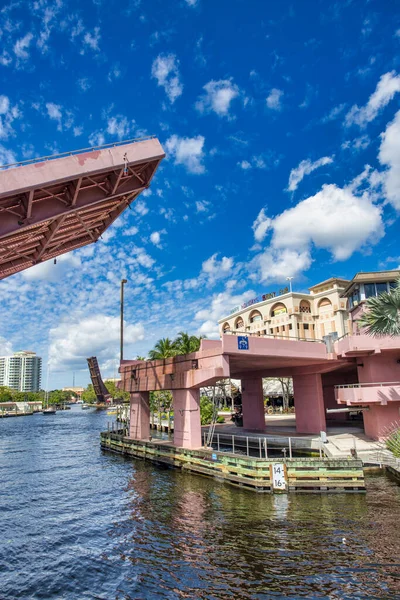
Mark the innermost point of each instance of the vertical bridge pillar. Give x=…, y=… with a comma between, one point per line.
x=253, y=404
x=187, y=422
x=139, y=428
x=309, y=403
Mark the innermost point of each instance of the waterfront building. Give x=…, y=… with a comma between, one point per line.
x=356, y=372
x=296, y=315
x=22, y=371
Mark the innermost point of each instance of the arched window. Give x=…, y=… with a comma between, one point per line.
x=239, y=323
x=278, y=309
x=255, y=316
x=324, y=305
x=226, y=327
x=305, y=306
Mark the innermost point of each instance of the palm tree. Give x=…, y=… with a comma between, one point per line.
x=382, y=314
x=185, y=343
x=163, y=349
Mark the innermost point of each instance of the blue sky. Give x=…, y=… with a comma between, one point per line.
x=281, y=125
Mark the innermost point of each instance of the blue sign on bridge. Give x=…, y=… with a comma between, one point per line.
x=243, y=342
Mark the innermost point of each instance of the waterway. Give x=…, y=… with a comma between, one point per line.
x=77, y=523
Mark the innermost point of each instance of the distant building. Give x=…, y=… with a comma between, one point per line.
x=293, y=315
x=22, y=371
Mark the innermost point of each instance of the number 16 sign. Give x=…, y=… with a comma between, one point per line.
x=278, y=477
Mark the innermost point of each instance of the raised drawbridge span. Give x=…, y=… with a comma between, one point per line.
x=52, y=205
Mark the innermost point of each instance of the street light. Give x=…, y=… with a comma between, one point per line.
x=289, y=279
x=121, y=353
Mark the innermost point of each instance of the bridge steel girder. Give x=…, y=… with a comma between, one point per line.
x=54, y=206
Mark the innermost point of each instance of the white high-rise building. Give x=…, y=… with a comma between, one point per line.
x=22, y=371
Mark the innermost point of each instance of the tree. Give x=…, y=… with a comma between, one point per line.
x=185, y=343
x=163, y=349
x=5, y=394
x=382, y=313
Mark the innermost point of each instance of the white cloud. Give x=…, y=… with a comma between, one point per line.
x=202, y=206
x=165, y=70
x=388, y=86
x=334, y=113
x=276, y=265
x=359, y=143
x=155, y=237
x=131, y=231
x=7, y=157
x=245, y=165
x=21, y=46
x=218, y=97
x=192, y=2
x=187, y=152
x=92, y=40
x=4, y=105
x=119, y=126
x=140, y=207
x=55, y=113
x=261, y=225
x=74, y=340
x=273, y=100
x=217, y=268
x=5, y=347
x=305, y=168
x=389, y=155
x=334, y=219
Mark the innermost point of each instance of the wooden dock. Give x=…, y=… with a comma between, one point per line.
x=256, y=474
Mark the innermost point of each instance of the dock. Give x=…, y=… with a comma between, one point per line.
x=277, y=475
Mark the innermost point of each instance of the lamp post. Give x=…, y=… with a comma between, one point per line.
x=121, y=353
x=289, y=279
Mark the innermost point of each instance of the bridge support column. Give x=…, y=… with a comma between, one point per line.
x=309, y=403
x=379, y=419
x=187, y=423
x=253, y=404
x=139, y=427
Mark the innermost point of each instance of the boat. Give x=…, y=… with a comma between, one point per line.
x=50, y=410
x=87, y=406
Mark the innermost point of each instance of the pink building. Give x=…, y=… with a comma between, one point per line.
x=356, y=371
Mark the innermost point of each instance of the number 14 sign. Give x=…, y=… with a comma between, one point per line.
x=278, y=477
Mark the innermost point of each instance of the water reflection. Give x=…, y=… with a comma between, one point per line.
x=78, y=523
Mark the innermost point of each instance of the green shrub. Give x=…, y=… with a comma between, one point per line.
x=393, y=443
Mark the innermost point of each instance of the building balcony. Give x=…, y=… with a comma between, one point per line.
x=368, y=393
x=352, y=345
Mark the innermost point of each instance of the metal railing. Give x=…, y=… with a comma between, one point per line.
x=73, y=152
x=259, y=445
x=371, y=384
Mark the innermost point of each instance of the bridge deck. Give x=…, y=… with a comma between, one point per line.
x=56, y=205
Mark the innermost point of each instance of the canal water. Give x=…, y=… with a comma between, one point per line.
x=77, y=523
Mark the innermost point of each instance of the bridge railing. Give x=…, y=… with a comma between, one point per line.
x=31, y=161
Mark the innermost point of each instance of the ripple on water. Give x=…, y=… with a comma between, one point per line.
x=77, y=523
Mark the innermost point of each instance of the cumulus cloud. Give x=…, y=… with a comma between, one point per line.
x=54, y=112
x=73, y=340
x=305, y=168
x=187, y=152
x=119, y=126
x=155, y=237
x=5, y=347
x=389, y=155
x=388, y=86
x=7, y=157
x=334, y=219
x=261, y=225
x=339, y=220
x=357, y=144
x=91, y=40
x=216, y=267
x=165, y=70
x=274, y=98
x=218, y=97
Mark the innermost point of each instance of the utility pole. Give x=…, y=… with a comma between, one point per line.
x=121, y=353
